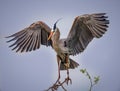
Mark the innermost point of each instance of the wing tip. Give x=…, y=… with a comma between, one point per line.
x=8, y=36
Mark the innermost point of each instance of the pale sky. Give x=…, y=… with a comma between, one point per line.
x=36, y=71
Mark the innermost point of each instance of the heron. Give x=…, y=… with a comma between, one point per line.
x=85, y=28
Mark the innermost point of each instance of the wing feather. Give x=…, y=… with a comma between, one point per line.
x=84, y=29
x=30, y=38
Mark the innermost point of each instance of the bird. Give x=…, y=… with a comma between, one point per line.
x=85, y=28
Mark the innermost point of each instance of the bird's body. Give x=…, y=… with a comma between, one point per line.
x=84, y=29
x=62, y=51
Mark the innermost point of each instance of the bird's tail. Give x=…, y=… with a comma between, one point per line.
x=72, y=65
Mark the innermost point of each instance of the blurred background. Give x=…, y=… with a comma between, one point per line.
x=37, y=70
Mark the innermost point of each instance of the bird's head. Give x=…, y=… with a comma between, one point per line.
x=54, y=30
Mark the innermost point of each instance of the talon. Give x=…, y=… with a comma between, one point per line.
x=70, y=81
x=67, y=80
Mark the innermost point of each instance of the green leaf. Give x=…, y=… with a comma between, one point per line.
x=83, y=70
x=96, y=79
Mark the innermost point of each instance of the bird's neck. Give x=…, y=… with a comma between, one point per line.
x=55, y=38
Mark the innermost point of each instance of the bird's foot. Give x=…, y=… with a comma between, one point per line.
x=58, y=84
x=67, y=80
x=55, y=86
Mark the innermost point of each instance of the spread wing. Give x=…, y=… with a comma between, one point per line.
x=31, y=37
x=84, y=29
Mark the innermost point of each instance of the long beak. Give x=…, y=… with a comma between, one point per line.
x=51, y=33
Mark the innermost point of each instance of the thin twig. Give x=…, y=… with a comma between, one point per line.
x=92, y=82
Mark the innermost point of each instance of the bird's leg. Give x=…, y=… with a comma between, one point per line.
x=67, y=66
x=57, y=83
x=59, y=63
x=68, y=78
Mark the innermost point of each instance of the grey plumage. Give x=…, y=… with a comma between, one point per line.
x=84, y=29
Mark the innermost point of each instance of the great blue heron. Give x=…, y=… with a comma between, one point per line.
x=84, y=29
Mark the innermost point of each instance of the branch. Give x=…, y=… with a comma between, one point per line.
x=92, y=82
